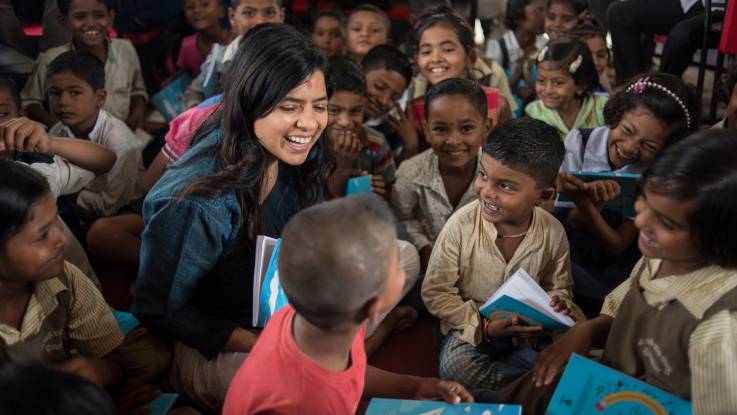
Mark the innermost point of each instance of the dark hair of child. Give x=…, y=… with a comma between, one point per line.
x=418, y=7
x=63, y=5
x=728, y=82
x=389, y=58
x=528, y=145
x=236, y=3
x=336, y=14
x=344, y=74
x=37, y=390
x=702, y=168
x=82, y=65
x=457, y=86
x=587, y=30
x=335, y=257
x=663, y=105
x=8, y=84
x=367, y=7
x=261, y=75
x=578, y=6
x=21, y=188
x=455, y=22
x=567, y=52
x=515, y=12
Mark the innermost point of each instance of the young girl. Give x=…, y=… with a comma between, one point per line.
x=328, y=32
x=641, y=120
x=367, y=26
x=563, y=15
x=204, y=16
x=434, y=184
x=676, y=310
x=565, y=81
x=595, y=38
x=445, y=49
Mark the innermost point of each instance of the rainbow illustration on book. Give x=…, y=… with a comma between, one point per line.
x=587, y=387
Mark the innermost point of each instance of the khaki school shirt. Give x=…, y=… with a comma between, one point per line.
x=712, y=347
x=466, y=268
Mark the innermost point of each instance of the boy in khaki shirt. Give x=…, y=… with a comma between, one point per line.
x=485, y=242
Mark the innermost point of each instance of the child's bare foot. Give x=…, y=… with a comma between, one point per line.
x=405, y=316
x=399, y=318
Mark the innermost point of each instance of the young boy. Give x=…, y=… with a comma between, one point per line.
x=339, y=266
x=9, y=100
x=359, y=149
x=76, y=96
x=367, y=27
x=485, y=242
x=89, y=21
x=243, y=15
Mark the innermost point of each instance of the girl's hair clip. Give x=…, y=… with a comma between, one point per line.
x=643, y=83
x=573, y=67
x=541, y=55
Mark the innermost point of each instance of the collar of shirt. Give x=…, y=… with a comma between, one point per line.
x=596, y=154
x=110, y=51
x=95, y=134
x=41, y=304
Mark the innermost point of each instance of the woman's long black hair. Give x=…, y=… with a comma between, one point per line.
x=272, y=59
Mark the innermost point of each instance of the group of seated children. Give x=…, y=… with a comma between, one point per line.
x=471, y=162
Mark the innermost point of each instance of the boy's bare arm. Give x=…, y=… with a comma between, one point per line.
x=381, y=383
x=85, y=154
x=137, y=112
x=241, y=340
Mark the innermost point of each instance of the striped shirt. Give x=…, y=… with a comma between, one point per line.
x=713, y=343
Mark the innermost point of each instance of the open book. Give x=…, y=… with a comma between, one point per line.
x=268, y=295
x=624, y=203
x=587, y=387
x=380, y=406
x=521, y=296
x=358, y=186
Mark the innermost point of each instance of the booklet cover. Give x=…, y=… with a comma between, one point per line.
x=521, y=296
x=380, y=406
x=162, y=404
x=264, y=249
x=126, y=321
x=170, y=100
x=587, y=387
x=271, y=295
x=359, y=185
x=624, y=203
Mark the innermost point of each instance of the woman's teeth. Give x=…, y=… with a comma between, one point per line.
x=297, y=139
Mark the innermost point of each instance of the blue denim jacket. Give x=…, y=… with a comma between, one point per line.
x=195, y=278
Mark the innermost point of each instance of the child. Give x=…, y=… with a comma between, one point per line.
x=565, y=81
x=367, y=27
x=243, y=15
x=671, y=323
x=730, y=93
x=388, y=73
x=525, y=20
x=204, y=17
x=445, y=49
x=339, y=266
x=369, y=152
x=9, y=100
x=562, y=16
x=328, y=32
x=76, y=96
x=595, y=37
x=641, y=120
x=432, y=185
x=50, y=309
x=89, y=22
x=485, y=242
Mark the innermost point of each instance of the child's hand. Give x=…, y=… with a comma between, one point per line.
x=433, y=389
x=406, y=128
x=570, y=186
x=510, y=327
x=130, y=399
x=377, y=184
x=26, y=135
x=552, y=360
x=559, y=305
x=346, y=147
x=602, y=191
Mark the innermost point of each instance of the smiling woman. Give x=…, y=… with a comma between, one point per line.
x=257, y=161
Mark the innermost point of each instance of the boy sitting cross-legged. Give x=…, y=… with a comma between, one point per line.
x=339, y=266
x=487, y=241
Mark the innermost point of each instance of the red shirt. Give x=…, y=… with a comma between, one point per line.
x=278, y=378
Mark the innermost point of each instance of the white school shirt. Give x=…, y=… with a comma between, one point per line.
x=595, y=155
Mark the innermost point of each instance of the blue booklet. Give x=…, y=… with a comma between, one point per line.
x=162, y=404
x=126, y=321
x=521, y=296
x=359, y=185
x=272, y=297
x=170, y=100
x=380, y=406
x=624, y=203
x=587, y=387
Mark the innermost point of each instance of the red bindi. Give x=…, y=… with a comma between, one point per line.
x=309, y=84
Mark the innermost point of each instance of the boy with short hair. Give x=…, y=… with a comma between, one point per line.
x=89, y=22
x=367, y=27
x=243, y=15
x=488, y=240
x=339, y=266
x=9, y=100
x=76, y=95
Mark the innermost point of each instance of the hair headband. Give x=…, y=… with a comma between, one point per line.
x=572, y=68
x=639, y=86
